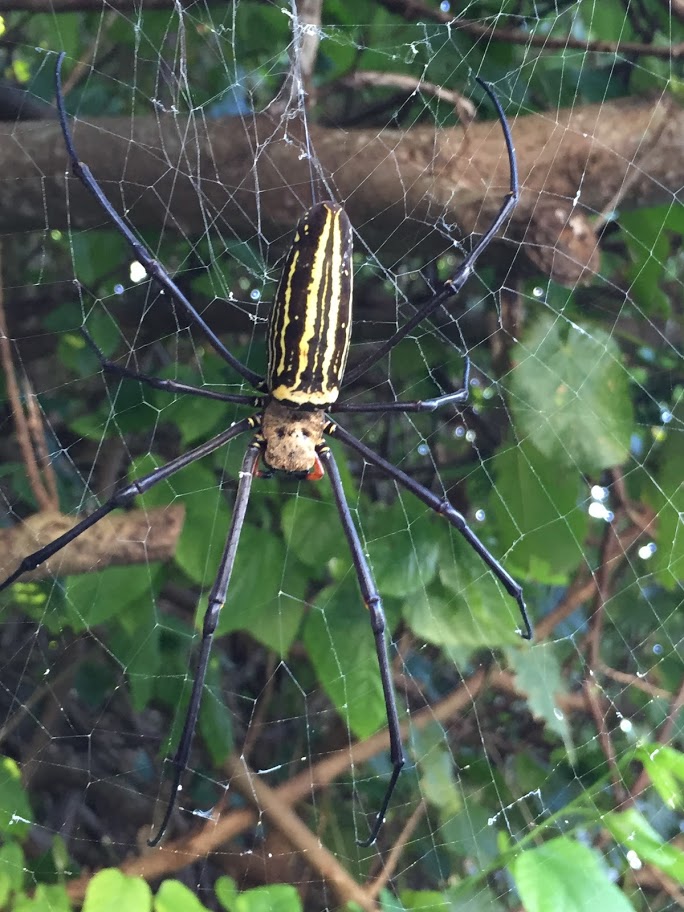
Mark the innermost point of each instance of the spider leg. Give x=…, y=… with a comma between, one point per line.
x=441, y=506
x=125, y=495
x=453, y=285
x=217, y=598
x=169, y=386
x=152, y=267
x=459, y=397
x=373, y=602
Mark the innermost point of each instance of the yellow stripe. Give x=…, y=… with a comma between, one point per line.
x=314, y=300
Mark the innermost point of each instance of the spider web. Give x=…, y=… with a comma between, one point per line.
x=537, y=775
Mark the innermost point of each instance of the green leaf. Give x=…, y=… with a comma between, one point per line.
x=563, y=876
x=96, y=253
x=226, y=893
x=207, y=516
x=464, y=897
x=606, y=21
x=473, y=610
x=539, y=524
x=16, y=815
x=46, y=898
x=637, y=835
x=340, y=644
x=275, y=898
x=425, y=901
x=111, y=891
x=93, y=598
x=666, y=494
x=173, y=896
x=389, y=902
x=404, y=547
x=570, y=395
x=196, y=418
x=646, y=238
x=436, y=765
x=254, y=602
x=665, y=768
x=538, y=676
x=11, y=870
x=312, y=529
x=215, y=719
x=135, y=642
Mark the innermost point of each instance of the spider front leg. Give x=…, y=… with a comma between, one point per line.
x=373, y=602
x=152, y=267
x=168, y=386
x=217, y=598
x=124, y=495
x=441, y=506
x=459, y=397
x=453, y=285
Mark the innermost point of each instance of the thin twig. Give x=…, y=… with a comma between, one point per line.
x=83, y=66
x=268, y=802
x=396, y=851
x=463, y=107
x=40, y=490
x=413, y=10
x=36, y=429
x=633, y=680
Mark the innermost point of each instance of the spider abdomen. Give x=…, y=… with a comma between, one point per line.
x=310, y=324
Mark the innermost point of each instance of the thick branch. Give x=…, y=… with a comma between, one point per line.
x=135, y=537
x=397, y=186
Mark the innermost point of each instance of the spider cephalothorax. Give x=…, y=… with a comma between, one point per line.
x=308, y=343
x=290, y=438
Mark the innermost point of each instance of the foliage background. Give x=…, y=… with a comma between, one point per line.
x=543, y=776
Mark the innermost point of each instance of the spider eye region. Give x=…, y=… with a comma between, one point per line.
x=291, y=436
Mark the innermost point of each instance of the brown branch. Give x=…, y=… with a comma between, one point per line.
x=177, y=854
x=36, y=429
x=136, y=537
x=268, y=802
x=633, y=680
x=396, y=851
x=462, y=106
x=44, y=489
x=398, y=186
x=411, y=10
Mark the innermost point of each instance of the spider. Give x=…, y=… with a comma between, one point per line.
x=308, y=343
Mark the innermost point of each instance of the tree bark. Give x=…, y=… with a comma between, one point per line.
x=405, y=191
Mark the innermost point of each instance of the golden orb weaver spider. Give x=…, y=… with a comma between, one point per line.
x=308, y=342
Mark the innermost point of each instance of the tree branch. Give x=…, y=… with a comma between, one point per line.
x=400, y=187
x=134, y=537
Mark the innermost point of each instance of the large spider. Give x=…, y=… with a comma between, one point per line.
x=308, y=343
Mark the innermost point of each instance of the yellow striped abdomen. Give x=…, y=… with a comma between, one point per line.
x=310, y=324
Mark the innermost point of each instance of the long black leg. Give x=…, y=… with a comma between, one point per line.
x=459, y=397
x=169, y=386
x=217, y=597
x=153, y=268
x=465, y=270
x=377, y=618
x=125, y=495
x=441, y=506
